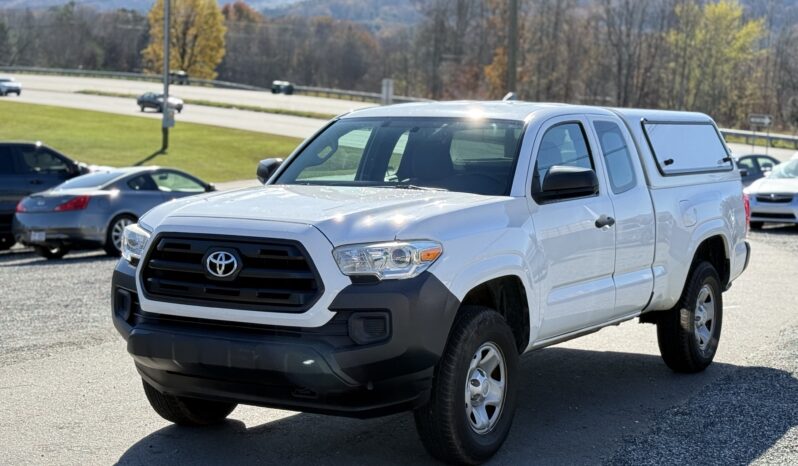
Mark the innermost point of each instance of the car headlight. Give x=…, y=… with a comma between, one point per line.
x=134, y=240
x=393, y=260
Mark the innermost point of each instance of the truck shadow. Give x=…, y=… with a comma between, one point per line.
x=575, y=407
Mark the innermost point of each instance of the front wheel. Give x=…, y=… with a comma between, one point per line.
x=688, y=334
x=54, y=251
x=473, y=397
x=187, y=411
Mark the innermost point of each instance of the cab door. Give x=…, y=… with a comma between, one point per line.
x=574, y=232
x=634, y=216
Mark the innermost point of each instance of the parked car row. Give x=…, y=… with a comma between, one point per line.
x=52, y=203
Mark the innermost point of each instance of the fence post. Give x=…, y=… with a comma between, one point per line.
x=387, y=92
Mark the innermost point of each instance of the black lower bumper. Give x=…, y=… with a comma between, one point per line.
x=333, y=369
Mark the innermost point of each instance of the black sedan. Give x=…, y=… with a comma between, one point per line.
x=153, y=100
x=755, y=166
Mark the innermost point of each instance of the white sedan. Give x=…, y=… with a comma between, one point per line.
x=774, y=199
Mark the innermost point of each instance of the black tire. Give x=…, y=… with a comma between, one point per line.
x=6, y=241
x=757, y=225
x=50, y=252
x=187, y=411
x=443, y=424
x=678, y=332
x=111, y=244
x=142, y=108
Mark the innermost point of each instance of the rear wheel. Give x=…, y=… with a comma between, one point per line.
x=187, y=411
x=688, y=334
x=51, y=251
x=473, y=395
x=6, y=241
x=113, y=237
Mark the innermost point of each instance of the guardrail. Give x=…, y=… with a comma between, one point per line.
x=769, y=139
x=320, y=91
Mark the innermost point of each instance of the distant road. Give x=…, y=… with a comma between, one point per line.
x=230, y=96
x=284, y=125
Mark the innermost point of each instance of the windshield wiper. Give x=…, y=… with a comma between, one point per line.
x=411, y=186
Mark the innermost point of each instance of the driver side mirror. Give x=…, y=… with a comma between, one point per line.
x=266, y=168
x=210, y=187
x=566, y=182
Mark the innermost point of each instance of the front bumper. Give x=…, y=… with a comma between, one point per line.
x=774, y=212
x=77, y=227
x=329, y=369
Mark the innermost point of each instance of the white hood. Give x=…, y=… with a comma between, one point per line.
x=774, y=185
x=344, y=214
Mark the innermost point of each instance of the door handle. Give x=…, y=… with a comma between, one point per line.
x=604, y=221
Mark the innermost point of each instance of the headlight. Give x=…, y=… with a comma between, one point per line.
x=394, y=260
x=134, y=240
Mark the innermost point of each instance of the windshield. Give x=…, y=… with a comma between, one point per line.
x=785, y=170
x=92, y=180
x=472, y=156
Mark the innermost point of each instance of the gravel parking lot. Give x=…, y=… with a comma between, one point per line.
x=70, y=395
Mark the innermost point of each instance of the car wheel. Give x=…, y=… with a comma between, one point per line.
x=6, y=241
x=113, y=236
x=473, y=397
x=141, y=107
x=187, y=411
x=56, y=251
x=756, y=225
x=688, y=334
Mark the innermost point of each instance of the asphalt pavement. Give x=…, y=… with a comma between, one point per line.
x=69, y=393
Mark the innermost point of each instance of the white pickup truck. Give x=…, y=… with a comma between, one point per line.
x=404, y=257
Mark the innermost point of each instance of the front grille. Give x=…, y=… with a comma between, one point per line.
x=775, y=198
x=773, y=216
x=274, y=275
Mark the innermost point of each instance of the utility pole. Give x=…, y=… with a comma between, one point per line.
x=512, y=45
x=166, y=111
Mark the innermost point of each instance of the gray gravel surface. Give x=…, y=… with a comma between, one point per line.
x=47, y=306
x=69, y=393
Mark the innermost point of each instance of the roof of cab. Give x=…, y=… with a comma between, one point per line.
x=515, y=110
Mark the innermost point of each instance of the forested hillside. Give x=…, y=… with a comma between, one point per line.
x=723, y=57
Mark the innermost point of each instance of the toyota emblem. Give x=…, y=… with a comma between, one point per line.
x=221, y=264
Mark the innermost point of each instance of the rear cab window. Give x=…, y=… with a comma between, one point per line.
x=683, y=148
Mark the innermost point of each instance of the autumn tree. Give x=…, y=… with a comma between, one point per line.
x=196, y=37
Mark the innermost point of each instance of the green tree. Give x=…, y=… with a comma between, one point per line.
x=713, y=51
x=196, y=37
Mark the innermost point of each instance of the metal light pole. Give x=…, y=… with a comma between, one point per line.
x=512, y=45
x=166, y=111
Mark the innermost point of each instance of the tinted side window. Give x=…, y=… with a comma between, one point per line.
x=6, y=161
x=564, y=145
x=38, y=160
x=142, y=183
x=616, y=156
x=175, y=182
x=684, y=148
x=748, y=164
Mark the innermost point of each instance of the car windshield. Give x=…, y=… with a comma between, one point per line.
x=785, y=170
x=473, y=156
x=92, y=180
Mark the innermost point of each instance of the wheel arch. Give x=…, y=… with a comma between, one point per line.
x=507, y=295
